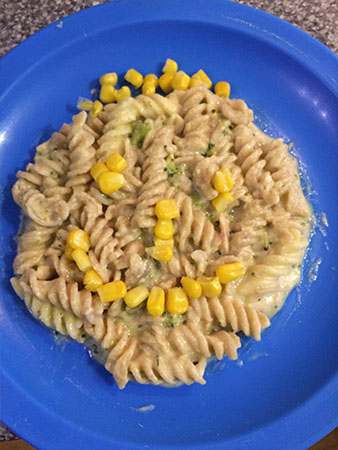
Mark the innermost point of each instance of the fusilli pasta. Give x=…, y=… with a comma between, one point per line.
x=172, y=146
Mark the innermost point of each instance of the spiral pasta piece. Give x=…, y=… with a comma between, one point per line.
x=228, y=313
x=81, y=153
x=66, y=295
x=62, y=321
x=155, y=179
x=48, y=171
x=190, y=340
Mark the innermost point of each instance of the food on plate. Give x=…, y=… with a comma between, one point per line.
x=160, y=227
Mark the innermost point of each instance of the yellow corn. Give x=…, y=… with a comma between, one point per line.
x=180, y=81
x=177, y=301
x=136, y=296
x=162, y=253
x=218, y=182
x=133, y=77
x=222, y=88
x=109, y=78
x=92, y=280
x=112, y=291
x=86, y=105
x=95, y=109
x=158, y=241
x=228, y=178
x=192, y=288
x=97, y=170
x=122, y=93
x=211, y=287
x=110, y=182
x=107, y=93
x=203, y=77
x=155, y=302
x=222, y=201
x=116, y=162
x=166, y=209
x=195, y=82
x=68, y=252
x=222, y=180
x=148, y=88
x=151, y=78
x=165, y=82
x=164, y=229
x=79, y=239
x=229, y=272
x=81, y=259
x=170, y=66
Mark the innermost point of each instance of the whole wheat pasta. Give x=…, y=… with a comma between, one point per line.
x=185, y=139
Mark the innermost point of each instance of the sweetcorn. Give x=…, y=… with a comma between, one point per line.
x=177, y=301
x=112, y=291
x=156, y=301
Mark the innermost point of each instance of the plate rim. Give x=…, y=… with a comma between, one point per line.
x=283, y=35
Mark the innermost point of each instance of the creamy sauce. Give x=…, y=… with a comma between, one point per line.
x=95, y=351
x=265, y=226
x=143, y=409
x=313, y=271
x=323, y=219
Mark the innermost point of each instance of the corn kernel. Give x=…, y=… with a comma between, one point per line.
x=151, y=78
x=222, y=201
x=68, y=252
x=218, y=182
x=110, y=182
x=165, y=82
x=107, y=93
x=229, y=272
x=228, y=178
x=109, y=78
x=192, y=288
x=79, y=239
x=97, y=170
x=133, y=77
x=195, y=82
x=85, y=105
x=166, y=209
x=116, y=162
x=158, y=241
x=177, y=301
x=162, y=253
x=203, y=77
x=155, y=302
x=170, y=66
x=211, y=287
x=136, y=296
x=124, y=92
x=222, y=88
x=148, y=88
x=92, y=280
x=222, y=180
x=81, y=259
x=112, y=291
x=164, y=229
x=180, y=81
x=95, y=109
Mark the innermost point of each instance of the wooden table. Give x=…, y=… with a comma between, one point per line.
x=330, y=442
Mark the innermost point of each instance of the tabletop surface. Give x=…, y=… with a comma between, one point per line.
x=22, y=18
x=19, y=19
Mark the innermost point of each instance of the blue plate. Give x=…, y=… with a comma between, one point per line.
x=283, y=392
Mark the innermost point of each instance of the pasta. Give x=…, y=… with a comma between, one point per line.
x=173, y=146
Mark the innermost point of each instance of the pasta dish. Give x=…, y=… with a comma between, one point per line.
x=162, y=228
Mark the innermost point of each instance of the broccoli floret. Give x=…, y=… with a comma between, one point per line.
x=139, y=132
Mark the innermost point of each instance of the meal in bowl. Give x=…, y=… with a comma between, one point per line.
x=160, y=227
